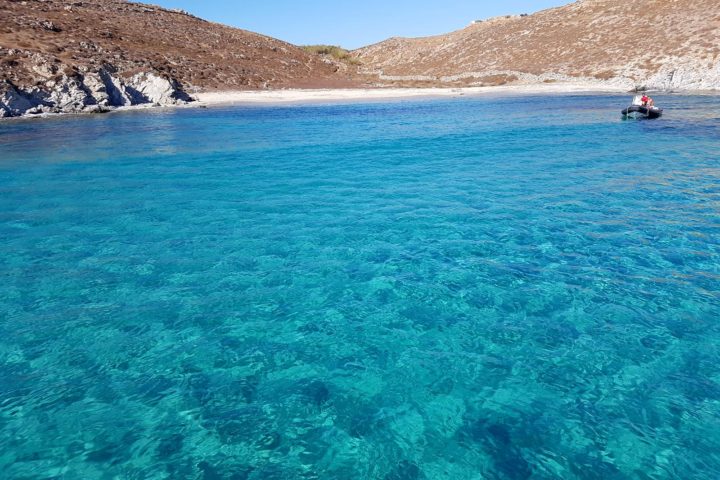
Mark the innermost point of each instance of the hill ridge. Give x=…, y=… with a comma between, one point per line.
x=654, y=43
x=142, y=52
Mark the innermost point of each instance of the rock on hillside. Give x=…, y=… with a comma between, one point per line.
x=663, y=44
x=90, y=92
x=61, y=55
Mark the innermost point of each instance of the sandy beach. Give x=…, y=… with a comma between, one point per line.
x=290, y=96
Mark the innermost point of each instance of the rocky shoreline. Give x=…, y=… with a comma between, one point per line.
x=70, y=101
x=92, y=92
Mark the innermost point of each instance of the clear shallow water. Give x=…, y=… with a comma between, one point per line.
x=503, y=288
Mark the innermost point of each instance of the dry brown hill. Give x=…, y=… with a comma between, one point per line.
x=661, y=43
x=93, y=55
x=42, y=39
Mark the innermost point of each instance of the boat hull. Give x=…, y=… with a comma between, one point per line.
x=636, y=111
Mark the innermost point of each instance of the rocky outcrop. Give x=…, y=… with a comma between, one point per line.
x=13, y=103
x=91, y=92
x=683, y=76
x=42, y=40
x=150, y=88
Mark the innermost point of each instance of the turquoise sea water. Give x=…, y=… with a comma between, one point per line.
x=470, y=288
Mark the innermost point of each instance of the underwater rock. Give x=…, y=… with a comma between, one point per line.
x=405, y=471
x=497, y=440
x=170, y=446
x=269, y=441
x=317, y=392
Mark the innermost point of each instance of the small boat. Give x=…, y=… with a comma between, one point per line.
x=638, y=110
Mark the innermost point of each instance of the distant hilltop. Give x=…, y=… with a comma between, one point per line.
x=499, y=19
x=661, y=44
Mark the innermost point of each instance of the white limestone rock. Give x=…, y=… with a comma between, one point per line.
x=151, y=88
x=115, y=89
x=682, y=76
x=97, y=88
x=92, y=92
x=13, y=102
x=70, y=95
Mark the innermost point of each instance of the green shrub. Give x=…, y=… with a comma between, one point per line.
x=338, y=53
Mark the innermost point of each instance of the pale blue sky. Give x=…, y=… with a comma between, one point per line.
x=352, y=24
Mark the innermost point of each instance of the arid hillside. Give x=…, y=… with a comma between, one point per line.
x=94, y=55
x=44, y=39
x=655, y=43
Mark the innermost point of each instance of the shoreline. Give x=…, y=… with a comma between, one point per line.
x=359, y=95
x=314, y=96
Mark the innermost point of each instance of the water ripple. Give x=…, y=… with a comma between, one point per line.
x=511, y=287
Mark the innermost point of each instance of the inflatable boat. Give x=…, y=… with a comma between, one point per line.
x=638, y=110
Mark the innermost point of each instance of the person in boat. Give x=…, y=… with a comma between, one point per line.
x=647, y=101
